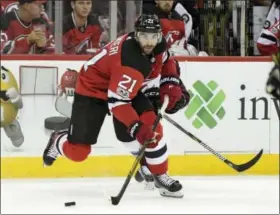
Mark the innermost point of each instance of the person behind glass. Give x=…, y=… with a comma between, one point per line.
x=25, y=31
x=177, y=25
x=10, y=5
x=81, y=29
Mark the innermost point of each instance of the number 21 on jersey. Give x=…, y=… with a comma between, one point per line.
x=127, y=83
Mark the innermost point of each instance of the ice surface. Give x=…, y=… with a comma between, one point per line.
x=219, y=195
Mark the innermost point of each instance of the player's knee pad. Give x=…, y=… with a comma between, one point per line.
x=157, y=158
x=149, y=118
x=75, y=151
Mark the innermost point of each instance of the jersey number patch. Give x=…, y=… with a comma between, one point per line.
x=127, y=83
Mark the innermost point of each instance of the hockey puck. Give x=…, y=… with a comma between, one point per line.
x=57, y=123
x=68, y=204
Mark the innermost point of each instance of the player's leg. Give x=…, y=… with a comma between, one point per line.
x=143, y=173
x=87, y=117
x=156, y=155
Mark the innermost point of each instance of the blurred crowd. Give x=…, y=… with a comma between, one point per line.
x=27, y=26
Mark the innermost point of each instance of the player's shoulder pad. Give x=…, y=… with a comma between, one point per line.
x=131, y=56
x=93, y=20
x=161, y=47
x=6, y=19
x=68, y=23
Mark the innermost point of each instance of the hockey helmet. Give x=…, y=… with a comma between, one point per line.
x=148, y=23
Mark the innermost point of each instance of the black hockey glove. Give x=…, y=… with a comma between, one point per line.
x=153, y=95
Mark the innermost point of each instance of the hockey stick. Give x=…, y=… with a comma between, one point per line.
x=238, y=168
x=116, y=199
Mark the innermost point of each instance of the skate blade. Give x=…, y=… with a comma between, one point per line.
x=165, y=193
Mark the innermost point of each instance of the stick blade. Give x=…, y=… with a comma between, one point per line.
x=115, y=200
x=248, y=165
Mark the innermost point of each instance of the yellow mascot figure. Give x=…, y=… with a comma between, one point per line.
x=11, y=102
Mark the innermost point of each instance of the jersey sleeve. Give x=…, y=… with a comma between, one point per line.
x=170, y=66
x=67, y=47
x=124, y=86
x=96, y=31
x=188, y=22
x=267, y=43
x=9, y=44
x=95, y=38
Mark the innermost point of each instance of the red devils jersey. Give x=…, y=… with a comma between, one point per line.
x=77, y=39
x=173, y=26
x=117, y=72
x=14, y=33
x=10, y=5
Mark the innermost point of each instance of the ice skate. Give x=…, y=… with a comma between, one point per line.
x=52, y=151
x=144, y=174
x=168, y=187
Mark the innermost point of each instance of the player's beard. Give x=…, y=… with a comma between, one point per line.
x=167, y=7
x=148, y=49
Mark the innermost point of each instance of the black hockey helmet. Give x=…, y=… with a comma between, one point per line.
x=148, y=23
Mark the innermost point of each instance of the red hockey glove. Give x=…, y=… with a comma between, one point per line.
x=170, y=86
x=143, y=132
x=183, y=102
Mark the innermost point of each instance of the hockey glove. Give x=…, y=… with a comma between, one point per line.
x=183, y=102
x=170, y=86
x=153, y=95
x=143, y=132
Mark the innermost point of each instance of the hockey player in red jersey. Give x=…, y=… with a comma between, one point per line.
x=81, y=29
x=115, y=80
x=24, y=31
x=268, y=41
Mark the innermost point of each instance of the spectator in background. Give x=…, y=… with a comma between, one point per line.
x=269, y=41
x=189, y=5
x=82, y=32
x=9, y=5
x=177, y=25
x=25, y=31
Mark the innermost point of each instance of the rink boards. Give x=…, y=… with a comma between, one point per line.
x=229, y=110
